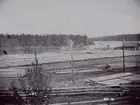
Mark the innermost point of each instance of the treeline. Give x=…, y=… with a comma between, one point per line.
x=41, y=40
x=126, y=37
x=26, y=40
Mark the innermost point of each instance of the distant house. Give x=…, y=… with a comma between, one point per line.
x=129, y=46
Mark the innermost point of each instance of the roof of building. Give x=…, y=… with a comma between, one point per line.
x=131, y=44
x=116, y=79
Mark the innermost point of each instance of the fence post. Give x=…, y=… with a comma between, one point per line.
x=68, y=103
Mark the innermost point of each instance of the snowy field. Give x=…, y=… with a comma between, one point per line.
x=12, y=72
x=47, y=57
x=25, y=59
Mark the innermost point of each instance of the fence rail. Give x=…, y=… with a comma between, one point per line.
x=116, y=101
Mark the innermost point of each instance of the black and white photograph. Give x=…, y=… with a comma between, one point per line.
x=69, y=52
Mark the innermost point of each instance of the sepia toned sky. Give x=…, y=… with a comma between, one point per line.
x=91, y=17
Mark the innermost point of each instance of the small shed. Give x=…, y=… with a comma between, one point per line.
x=129, y=46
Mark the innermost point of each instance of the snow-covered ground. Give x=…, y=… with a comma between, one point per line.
x=116, y=65
x=12, y=72
x=77, y=71
x=23, y=59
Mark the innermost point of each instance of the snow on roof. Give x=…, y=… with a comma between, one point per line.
x=132, y=78
x=122, y=80
x=115, y=82
x=131, y=44
x=108, y=77
x=116, y=79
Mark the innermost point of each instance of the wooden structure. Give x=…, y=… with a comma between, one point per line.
x=129, y=46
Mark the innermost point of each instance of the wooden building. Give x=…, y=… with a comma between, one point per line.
x=129, y=46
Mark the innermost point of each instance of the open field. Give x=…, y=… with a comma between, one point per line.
x=86, y=66
x=60, y=79
x=89, y=66
x=65, y=80
x=48, y=57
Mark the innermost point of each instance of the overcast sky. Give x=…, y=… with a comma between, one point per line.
x=91, y=17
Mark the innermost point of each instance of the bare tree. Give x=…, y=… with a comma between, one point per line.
x=38, y=82
x=17, y=99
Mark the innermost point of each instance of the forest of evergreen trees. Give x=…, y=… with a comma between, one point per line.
x=26, y=40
